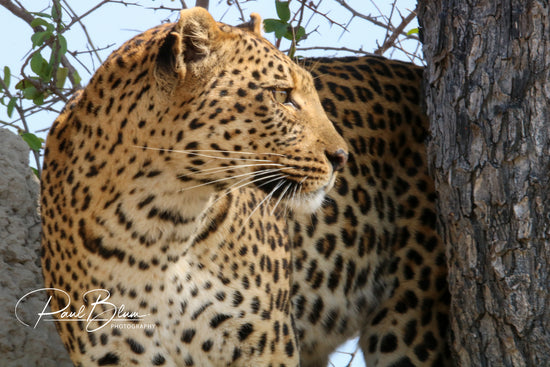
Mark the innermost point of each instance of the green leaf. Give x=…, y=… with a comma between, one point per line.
x=36, y=62
x=43, y=15
x=77, y=78
x=275, y=25
x=35, y=171
x=40, y=66
x=412, y=31
x=38, y=100
x=62, y=45
x=55, y=10
x=34, y=142
x=61, y=77
x=300, y=33
x=11, y=106
x=31, y=92
x=283, y=10
x=7, y=76
x=39, y=38
x=23, y=84
x=39, y=22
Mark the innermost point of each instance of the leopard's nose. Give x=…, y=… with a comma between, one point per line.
x=337, y=159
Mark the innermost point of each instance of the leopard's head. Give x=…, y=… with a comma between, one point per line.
x=219, y=107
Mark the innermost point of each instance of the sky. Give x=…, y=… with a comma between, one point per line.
x=112, y=24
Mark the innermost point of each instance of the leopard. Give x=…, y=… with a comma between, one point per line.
x=371, y=263
x=252, y=235
x=164, y=237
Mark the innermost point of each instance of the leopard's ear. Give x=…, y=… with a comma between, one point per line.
x=198, y=32
x=254, y=25
x=191, y=40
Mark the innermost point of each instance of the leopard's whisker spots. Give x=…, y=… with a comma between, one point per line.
x=215, y=170
x=234, y=152
x=242, y=166
x=266, y=171
x=221, y=158
x=202, y=153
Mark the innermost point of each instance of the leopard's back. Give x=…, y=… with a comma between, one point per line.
x=371, y=261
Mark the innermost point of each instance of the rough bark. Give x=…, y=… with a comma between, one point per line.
x=487, y=89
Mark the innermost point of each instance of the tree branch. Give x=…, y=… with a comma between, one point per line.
x=328, y=48
x=324, y=15
x=390, y=41
x=28, y=18
x=369, y=18
x=202, y=3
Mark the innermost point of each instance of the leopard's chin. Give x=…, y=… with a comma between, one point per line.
x=307, y=204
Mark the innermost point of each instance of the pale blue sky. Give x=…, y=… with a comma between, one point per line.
x=114, y=23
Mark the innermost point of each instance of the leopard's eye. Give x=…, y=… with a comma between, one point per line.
x=282, y=95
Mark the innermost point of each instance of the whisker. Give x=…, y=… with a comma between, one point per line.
x=200, y=153
x=267, y=197
x=289, y=185
x=214, y=170
x=266, y=171
x=232, y=188
x=232, y=152
x=300, y=187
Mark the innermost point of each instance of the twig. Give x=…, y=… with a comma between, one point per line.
x=324, y=15
x=243, y=18
x=355, y=13
x=369, y=18
x=328, y=48
x=74, y=16
x=162, y=7
x=390, y=41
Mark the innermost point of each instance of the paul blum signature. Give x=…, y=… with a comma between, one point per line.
x=96, y=309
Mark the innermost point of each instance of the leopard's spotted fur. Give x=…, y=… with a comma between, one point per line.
x=162, y=182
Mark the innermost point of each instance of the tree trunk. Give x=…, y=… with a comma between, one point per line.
x=488, y=89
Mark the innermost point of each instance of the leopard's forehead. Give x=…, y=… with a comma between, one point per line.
x=241, y=52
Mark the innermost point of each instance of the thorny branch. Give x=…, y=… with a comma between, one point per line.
x=390, y=41
x=374, y=20
x=329, y=48
x=314, y=9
